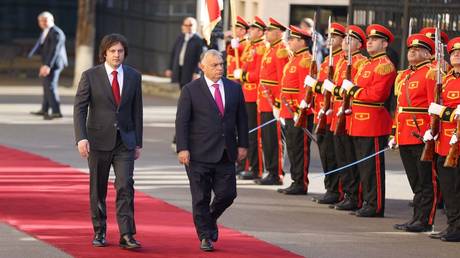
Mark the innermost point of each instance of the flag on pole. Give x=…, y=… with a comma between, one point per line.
x=210, y=16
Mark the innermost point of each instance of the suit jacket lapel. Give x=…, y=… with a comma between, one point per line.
x=227, y=95
x=207, y=93
x=105, y=83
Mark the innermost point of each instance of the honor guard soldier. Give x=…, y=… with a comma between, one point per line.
x=343, y=145
x=292, y=93
x=447, y=143
x=249, y=76
x=370, y=122
x=430, y=32
x=239, y=43
x=271, y=73
x=325, y=140
x=414, y=90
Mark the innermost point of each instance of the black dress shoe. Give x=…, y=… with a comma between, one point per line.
x=127, y=241
x=346, y=205
x=248, y=175
x=52, y=116
x=441, y=233
x=99, y=240
x=283, y=190
x=269, y=180
x=329, y=198
x=37, y=113
x=453, y=236
x=367, y=212
x=296, y=190
x=206, y=245
x=418, y=226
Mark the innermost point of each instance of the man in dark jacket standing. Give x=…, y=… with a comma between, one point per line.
x=212, y=133
x=51, y=47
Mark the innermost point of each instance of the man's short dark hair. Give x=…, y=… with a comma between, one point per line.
x=108, y=41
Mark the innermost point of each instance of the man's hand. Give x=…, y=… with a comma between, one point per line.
x=83, y=148
x=347, y=85
x=44, y=71
x=242, y=154
x=309, y=81
x=235, y=43
x=168, y=73
x=137, y=153
x=184, y=157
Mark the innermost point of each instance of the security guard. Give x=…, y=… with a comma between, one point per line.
x=414, y=89
x=343, y=145
x=249, y=76
x=325, y=141
x=370, y=122
x=449, y=178
x=239, y=43
x=292, y=93
x=271, y=72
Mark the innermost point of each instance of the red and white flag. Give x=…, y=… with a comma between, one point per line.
x=210, y=11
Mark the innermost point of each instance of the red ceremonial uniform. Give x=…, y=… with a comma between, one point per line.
x=231, y=58
x=294, y=74
x=252, y=59
x=271, y=73
x=373, y=86
x=415, y=85
x=341, y=74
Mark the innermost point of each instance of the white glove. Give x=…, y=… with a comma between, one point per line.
x=428, y=136
x=392, y=143
x=320, y=113
x=454, y=139
x=237, y=73
x=303, y=104
x=348, y=111
x=276, y=113
x=435, y=109
x=347, y=85
x=339, y=112
x=296, y=118
x=328, y=85
x=282, y=121
x=457, y=112
x=235, y=43
x=329, y=112
x=309, y=81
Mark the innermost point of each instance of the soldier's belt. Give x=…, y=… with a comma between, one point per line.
x=336, y=98
x=367, y=104
x=250, y=86
x=290, y=90
x=269, y=82
x=413, y=110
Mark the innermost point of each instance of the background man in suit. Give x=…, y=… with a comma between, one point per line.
x=212, y=133
x=110, y=135
x=185, y=56
x=51, y=47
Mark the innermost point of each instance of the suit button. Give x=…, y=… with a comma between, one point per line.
x=223, y=135
x=115, y=125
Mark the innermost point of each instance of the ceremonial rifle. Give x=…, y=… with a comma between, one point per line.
x=302, y=121
x=322, y=118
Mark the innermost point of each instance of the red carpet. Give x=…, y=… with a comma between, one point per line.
x=50, y=201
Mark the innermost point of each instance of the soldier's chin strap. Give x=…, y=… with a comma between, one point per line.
x=351, y=164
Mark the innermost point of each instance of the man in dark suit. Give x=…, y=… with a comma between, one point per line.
x=185, y=55
x=108, y=131
x=51, y=47
x=212, y=133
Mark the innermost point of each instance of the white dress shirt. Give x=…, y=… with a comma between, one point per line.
x=212, y=89
x=109, y=70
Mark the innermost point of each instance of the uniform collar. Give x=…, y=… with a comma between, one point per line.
x=352, y=54
x=419, y=65
x=275, y=43
x=337, y=51
x=253, y=42
x=377, y=55
x=298, y=52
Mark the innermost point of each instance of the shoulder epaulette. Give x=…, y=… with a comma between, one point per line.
x=385, y=68
x=282, y=53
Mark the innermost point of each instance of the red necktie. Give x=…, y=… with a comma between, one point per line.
x=218, y=99
x=116, y=88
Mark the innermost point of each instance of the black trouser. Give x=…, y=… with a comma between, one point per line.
x=50, y=91
x=271, y=145
x=99, y=163
x=345, y=154
x=449, y=182
x=206, y=177
x=328, y=160
x=253, y=150
x=372, y=171
x=422, y=180
x=298, y=150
